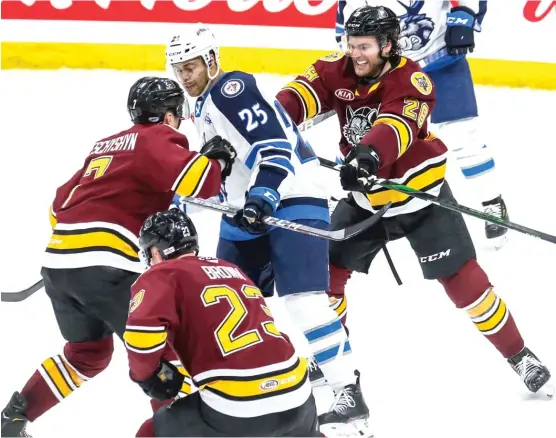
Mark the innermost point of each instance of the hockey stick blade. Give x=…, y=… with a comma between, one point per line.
x=14, y=297
x=450, y=205
x=336, y=235
x=315, y=121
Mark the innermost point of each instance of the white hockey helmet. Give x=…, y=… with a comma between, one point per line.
x=199, y=41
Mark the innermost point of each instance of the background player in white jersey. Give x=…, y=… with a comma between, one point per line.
x=274, y=173
x=438, y=35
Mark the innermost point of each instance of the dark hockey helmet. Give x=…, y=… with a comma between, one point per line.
x=172, y=232
x=378, y=21
x=150, y=98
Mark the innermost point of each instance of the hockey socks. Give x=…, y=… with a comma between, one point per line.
x=471, y=290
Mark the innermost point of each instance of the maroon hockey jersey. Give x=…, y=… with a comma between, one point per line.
x=97, y=214
x=217, y=322
x=390, y=115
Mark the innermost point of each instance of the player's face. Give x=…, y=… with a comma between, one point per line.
x=365, y=55
x=192, y=75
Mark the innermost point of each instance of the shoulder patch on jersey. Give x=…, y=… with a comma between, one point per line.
x=333, y=57
x=136, y=300
x=311, y=73
x=422, y=82
x=233, y=88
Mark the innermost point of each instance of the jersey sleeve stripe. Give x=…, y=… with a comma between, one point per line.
x=144, y=341
x=400, y=127
x=192, y=176
x=280, y=162
x=267, y=147
x=308, y=96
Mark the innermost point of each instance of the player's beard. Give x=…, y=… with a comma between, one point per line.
x=370, y=71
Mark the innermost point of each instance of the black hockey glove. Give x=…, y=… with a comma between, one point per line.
x=164, y=384
x=368, y=163
x=260, y=202
x=460, y=33
x=218, y=148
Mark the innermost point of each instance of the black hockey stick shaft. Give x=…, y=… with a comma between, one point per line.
x=450, y=205
x=14, y=297
x=336, y=235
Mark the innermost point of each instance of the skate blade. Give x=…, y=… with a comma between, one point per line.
x=547, y=389
x=496, y=243
x=319, y=383
x=354, y=429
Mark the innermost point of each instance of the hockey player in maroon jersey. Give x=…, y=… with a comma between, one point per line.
x=383, y=101
x=251, y=382
x=92, y=258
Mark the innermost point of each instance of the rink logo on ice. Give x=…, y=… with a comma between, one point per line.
x=434, y=257
x=233, y=88
x=269, y=385
x=344, y=94
x=422, y=82
x=136, y=300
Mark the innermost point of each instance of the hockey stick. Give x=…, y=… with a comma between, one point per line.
x=14, y=297
x=315, y=121
x=337, y=235
x=450, y=205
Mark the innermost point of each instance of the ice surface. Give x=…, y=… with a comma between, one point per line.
x=427, y=372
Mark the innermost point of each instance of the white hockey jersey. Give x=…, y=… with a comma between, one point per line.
x=270, y=150
x=422, y=23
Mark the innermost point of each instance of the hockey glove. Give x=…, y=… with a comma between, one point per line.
x=220, y=149
x=368, y=163
x=164, y=384
x=460, y=34
x=176, y=203
x=260, y=202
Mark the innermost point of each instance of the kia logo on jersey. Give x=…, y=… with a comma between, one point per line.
x=534, y=11
x=344, y=94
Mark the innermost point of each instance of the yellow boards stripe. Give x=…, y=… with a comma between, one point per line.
x=192, y=176
x=423, y=180
x=145, y=339
x=92, y=239
x=256, y=387
x=310, y=99
x=56, y=377
x=404, y=134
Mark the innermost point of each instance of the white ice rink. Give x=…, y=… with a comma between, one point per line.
x=427, y=372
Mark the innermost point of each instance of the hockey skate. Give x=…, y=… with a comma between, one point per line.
x=316, y=376
x=348, y=416
x=533, y=373
x=13, y=420
x=496, y=234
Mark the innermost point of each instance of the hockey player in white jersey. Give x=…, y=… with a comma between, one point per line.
x=274, y=173
x=438, y=35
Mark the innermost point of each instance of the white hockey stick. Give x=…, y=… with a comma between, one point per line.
x=337, y=235
x=315, y=121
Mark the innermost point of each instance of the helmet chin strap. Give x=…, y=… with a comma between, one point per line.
x=211, y=78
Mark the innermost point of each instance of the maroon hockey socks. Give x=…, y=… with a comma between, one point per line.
x=338, y=300
x=60, y=375
x=471, y=290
